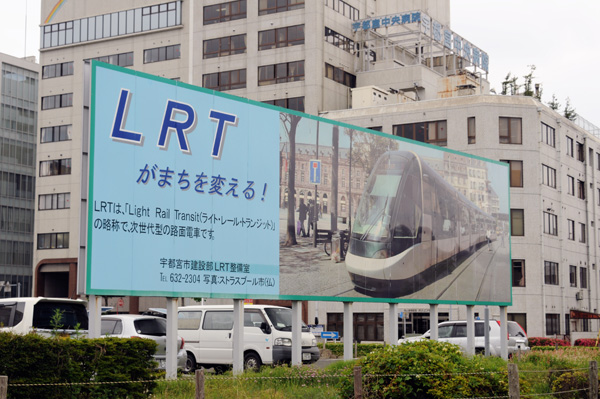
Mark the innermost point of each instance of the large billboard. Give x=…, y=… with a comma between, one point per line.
x=202, y=194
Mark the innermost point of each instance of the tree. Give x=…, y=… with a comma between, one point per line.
x=569, y=112
x=368, y=147
x=510, y=84
x=554, y=104
x=529, y=82
x=290, y=124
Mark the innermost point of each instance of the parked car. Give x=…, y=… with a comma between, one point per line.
x=39, y=314
x=208, y=332
x=455, y=332
x=140, y=326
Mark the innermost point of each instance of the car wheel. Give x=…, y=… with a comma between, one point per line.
x=220, y=369
x=190, y=364
x=252, y=362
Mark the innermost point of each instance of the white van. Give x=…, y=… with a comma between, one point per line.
x=24, y=315
x=208, y=329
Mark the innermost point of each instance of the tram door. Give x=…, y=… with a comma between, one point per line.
x=427, y=253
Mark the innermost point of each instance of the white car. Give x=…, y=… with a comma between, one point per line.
x=140, y=326
x=455, y=332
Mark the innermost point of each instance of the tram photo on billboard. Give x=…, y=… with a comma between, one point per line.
x=198, y=193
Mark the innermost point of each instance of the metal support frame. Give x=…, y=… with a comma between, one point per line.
x=503, y=333
x=296, y=333
x=470, y=330
x=172, y=349
x=393, y=324
x=433, y=322
x=348, y=331
x=238, y=336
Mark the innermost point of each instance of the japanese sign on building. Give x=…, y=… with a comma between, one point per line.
x=194, y=193
x=431, y=28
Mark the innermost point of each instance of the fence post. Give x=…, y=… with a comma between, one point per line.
x=3, y=386
x=593, y=379
x=358, y=391
x=513, y=381
x=200, y=384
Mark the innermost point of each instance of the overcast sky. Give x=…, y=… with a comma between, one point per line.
x=559, y=37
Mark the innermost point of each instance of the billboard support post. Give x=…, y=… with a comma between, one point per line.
x=486, y=332
x=238, y=336
x=393, y=316
x=470, y=330
x=95, y=307
x=503, y=333
x=433, y=321
x=172, y=349
x=348, y=331
x=296, y=333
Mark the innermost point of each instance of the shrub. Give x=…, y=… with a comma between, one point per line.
x=33, y=359
x=543, y=341
x=571, y=381
x=402, y=371
x=586, y=342
x=337, y=349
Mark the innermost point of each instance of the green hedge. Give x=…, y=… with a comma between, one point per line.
x=337, y=349
x=33, y=359
x=405, y=371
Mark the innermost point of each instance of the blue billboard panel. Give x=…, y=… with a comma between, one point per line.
x=202, y=194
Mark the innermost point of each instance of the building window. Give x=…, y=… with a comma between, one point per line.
x=123, y=59
x=343, y=8
x=228, y=80
x=548, y=176
x=295, y=103
x=15, y=185
x=366, y=326
x=281, y=73
x=55, y=167
x=516, y=173
x=518, y=273
x=55, y=133
x=550, y=273
x=53, y=240
x=550, y=223
x=274, y=6
x=224, y=46
x=517, y=225
x=471, y=130
x=54, y=201
x=583, y=277
x=598, y=161
x=281, y=37
x=580, y=151
x=57, y=70
x=580, y=189
x=57, y=101
x=569, y=146
x=548, y=135
x=426, y=132
x=582, y=234
x=340, y=76
x=570, y=185
x=225, y=12
x=115, y=24
x=571, y=227
x=573, y=276
x=340, y=41
x=162, y=54
x=552, y=324
x=510, y=130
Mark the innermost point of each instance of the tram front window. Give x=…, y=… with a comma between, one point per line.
x=373, y=216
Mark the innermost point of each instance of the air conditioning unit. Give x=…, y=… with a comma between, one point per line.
x=579, y=296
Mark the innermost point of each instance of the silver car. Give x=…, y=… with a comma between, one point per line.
x=140, y=326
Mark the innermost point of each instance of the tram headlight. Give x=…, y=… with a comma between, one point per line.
x=381, y=254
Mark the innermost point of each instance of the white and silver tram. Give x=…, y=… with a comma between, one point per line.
x=411, y=228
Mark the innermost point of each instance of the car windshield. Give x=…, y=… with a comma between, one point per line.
x=156, y=327
x=72, y=316
x=281, y=318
